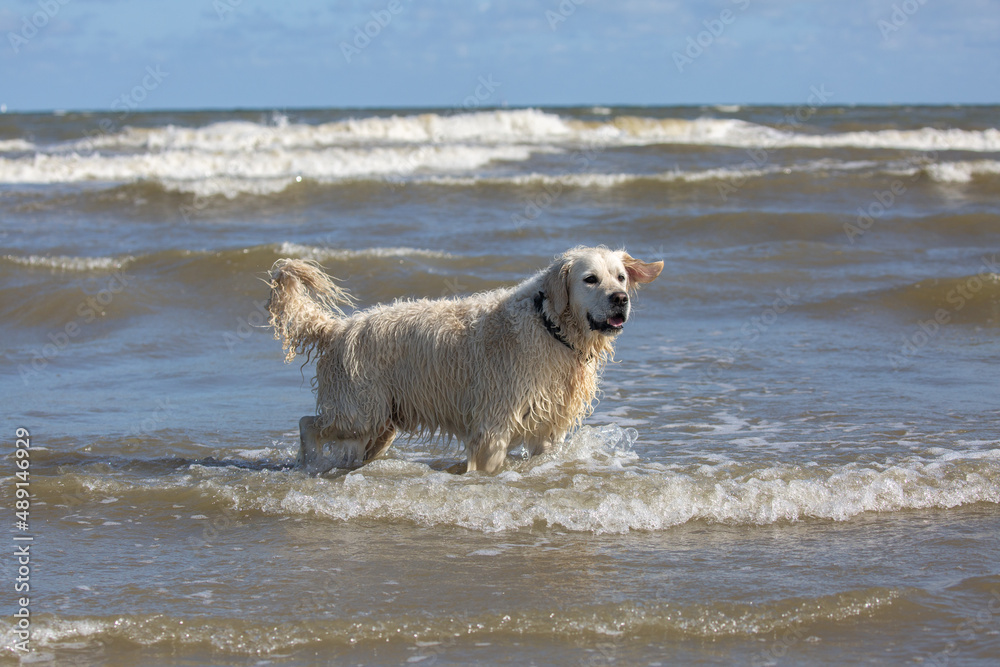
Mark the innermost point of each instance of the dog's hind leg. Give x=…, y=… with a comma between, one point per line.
x=309, y=450
x=536, y=446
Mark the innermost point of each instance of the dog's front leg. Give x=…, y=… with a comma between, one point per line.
x=487, y=453
x=319, y=453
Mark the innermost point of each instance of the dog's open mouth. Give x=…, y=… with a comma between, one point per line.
x=613, y=324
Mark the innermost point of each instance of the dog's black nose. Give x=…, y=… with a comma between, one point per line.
x=619, y=299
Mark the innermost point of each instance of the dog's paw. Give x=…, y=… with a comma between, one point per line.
x=459, y=468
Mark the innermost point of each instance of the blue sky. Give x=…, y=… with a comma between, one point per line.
x=93, y=54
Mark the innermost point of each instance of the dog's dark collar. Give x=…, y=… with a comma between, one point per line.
x=549, y=324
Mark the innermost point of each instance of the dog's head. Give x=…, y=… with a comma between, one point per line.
x=590, y=290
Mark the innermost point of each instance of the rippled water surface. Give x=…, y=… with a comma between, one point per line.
x=794, y=460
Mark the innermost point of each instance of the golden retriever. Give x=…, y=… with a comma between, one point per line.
x=512, y=366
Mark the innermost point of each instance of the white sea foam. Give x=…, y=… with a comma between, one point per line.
x=744, y=134
x=259, y=175
x=597, y=180
x=962, y=172
x=234, y=157
x=64, y=263
x=598, y=484
x=15, y=145
x=231, y=187
x=740, y=172
x=736, y=133
x=626, y=496
x=494, y=127
x=319, y=253
x=266, y=169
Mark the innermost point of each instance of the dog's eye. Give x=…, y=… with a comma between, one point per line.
x=621, y=278
x=590, y=280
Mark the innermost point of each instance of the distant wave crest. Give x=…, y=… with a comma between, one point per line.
x=240, y=157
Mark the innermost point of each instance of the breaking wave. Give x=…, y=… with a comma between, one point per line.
x=233, y=157
x=595, y=484
x=507, y=127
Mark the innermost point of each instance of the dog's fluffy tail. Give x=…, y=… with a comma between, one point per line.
x=304, y=305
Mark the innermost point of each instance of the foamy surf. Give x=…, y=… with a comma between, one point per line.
x=234, y=635
x=531, y=127
x=586, y=498
x=75, y=264
x=596, y=483
x=320, y=253
x=962, y=171
x=263, y=171
x=16, y=146
x=239, y=156
x=741, y=172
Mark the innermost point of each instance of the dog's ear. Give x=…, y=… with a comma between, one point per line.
x=555, y=284
x=640, y=272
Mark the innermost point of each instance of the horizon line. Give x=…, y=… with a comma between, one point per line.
x=506, y=107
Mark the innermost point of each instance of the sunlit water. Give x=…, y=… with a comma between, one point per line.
x=794, y=459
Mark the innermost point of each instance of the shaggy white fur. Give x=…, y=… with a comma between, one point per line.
x=496, y=369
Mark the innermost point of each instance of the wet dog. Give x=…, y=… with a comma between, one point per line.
x=512, y=366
